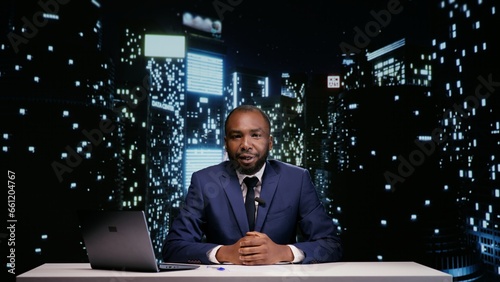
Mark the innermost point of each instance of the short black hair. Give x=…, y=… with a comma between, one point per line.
x=248, y=108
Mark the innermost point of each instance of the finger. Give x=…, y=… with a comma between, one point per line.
x=252, y=260
x=253, y=233
x=251, y=242
x=248, y=251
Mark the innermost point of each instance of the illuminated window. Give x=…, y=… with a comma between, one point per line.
x=204, y=74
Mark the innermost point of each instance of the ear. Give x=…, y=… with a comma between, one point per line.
x=270, y=142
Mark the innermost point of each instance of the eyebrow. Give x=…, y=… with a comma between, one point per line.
x=251, y=131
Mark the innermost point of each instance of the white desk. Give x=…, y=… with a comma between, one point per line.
x=339, y=271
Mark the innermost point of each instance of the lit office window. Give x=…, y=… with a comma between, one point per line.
x=413, y=217
x=50, y=16
x=383, y=222
x=199, y=158
x=22, y=111
x=65, y=113
x=204, y=74
x=436, y=231
x=31, y=149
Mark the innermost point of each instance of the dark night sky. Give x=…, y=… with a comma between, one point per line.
x=287, y=35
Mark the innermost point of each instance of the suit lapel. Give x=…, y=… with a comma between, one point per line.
x=233, y=192
x=269, y=185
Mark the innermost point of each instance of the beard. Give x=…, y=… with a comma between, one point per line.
x=251, y=170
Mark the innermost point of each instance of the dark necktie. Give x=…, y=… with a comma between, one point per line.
x=250, y=200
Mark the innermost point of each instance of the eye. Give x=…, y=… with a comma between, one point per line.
x=257, y=135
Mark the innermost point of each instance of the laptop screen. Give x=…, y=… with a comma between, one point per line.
x=120, y=240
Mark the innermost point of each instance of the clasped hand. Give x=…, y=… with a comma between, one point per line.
x=254, y=249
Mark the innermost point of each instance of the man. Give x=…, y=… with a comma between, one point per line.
x=212, y=226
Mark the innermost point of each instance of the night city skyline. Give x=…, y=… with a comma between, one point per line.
x=390, y=105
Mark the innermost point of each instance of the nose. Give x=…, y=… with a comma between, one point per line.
x=246, y=143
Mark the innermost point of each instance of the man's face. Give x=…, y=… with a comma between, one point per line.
x=248, y=141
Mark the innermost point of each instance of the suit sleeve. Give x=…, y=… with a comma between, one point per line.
x=320, y=240
x=184, y=243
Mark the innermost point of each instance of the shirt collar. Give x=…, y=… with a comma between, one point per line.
x=258, y=174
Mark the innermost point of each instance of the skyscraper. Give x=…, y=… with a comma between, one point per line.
x=59, y=128
x=382, y=173
x=465, y=54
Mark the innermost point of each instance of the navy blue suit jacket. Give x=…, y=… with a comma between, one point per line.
x=214, y=214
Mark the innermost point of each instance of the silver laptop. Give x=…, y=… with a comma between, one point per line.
x=120, y=240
